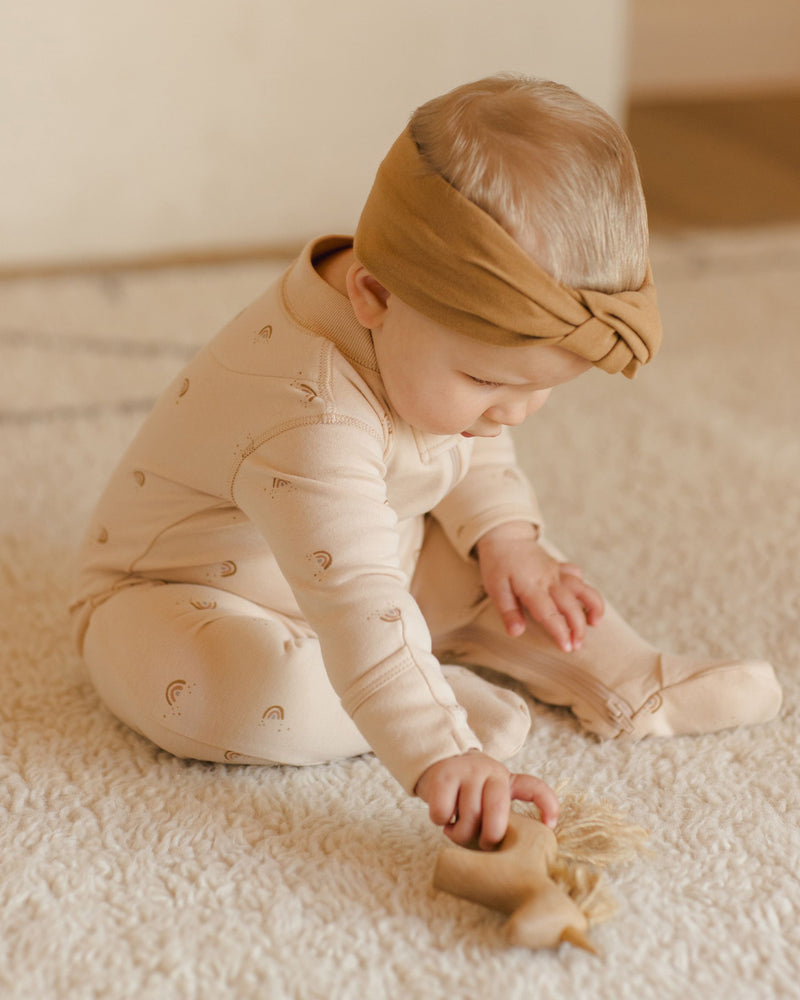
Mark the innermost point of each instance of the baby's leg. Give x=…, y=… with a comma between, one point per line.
x=209, y=675
x=615, y=684
x=205, y=674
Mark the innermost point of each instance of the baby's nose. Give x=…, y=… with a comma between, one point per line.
x=510, y=414
x=513, y=412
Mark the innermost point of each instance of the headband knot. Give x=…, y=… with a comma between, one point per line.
x=448, y=259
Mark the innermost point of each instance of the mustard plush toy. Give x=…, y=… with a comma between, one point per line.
x=550, y=883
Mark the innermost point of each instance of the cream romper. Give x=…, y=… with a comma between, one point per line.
x=279, y=565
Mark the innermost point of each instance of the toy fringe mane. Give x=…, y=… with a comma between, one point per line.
x=592, y=836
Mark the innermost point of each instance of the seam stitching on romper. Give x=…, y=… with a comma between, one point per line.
x=365, y=690
x=289, y=425
x=382, y=675
x=221, y=505
x=376, y=684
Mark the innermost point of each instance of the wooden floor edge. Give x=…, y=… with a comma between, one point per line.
x=151, y=262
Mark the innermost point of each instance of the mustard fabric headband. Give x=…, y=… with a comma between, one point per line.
x=448, y=259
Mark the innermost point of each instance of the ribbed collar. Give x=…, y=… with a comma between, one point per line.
x=314, y=304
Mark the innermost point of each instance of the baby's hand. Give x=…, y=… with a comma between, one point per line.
x=519, y=575
x=470, y=796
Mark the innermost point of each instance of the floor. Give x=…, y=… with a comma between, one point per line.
x=719, y=162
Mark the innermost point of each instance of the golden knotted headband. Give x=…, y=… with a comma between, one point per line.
x=448, y=259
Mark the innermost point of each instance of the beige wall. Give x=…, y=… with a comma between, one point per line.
x=160, y=126
x=714, y=47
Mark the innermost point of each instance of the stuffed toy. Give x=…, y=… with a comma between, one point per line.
x=550, y=883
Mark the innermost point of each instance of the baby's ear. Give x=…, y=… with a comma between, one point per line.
x=367, y=295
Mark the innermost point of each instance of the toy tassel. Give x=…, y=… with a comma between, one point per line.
x=548, y=883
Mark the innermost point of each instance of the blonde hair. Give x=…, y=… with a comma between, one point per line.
x=552, y=168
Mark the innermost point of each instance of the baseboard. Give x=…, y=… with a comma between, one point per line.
x=203, y=257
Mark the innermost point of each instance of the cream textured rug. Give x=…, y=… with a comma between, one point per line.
x=127, y=874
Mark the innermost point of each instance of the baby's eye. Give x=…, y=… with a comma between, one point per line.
x=483, y=381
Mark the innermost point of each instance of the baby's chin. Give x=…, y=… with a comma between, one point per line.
x=477, y=432
x=474, y=431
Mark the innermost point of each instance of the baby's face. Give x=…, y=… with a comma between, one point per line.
x=444, y=382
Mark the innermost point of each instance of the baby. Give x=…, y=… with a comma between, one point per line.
x=322, y=525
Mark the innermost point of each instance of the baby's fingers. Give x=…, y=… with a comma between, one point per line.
x=508, y=607
x=571, y=570
x=496, y=803
x=592, y=602
x=544, y=610
x=572, y=609
x=527, y=788
x=441, y=795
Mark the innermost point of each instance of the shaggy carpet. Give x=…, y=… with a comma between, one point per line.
x=126, y=873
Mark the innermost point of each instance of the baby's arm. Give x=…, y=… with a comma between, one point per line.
x=519, y=575
x=493, y=511
x=470, y=796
